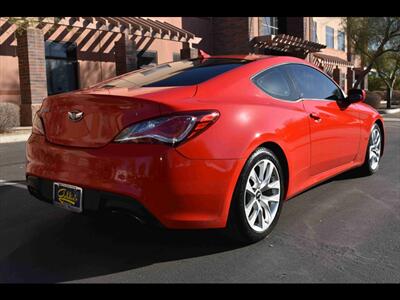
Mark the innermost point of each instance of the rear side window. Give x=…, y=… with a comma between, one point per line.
x=180, y=73
x=312, y=84
x=276, y=83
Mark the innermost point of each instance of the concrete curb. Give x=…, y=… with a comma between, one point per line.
x=13, y=138
x=391, y=119
x=389, y=111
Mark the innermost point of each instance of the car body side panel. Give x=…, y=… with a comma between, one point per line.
x=335, y=134
x=249, y=119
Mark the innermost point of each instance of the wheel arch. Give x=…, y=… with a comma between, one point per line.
x=282, y=157
x=279, y=152
x=380, y=124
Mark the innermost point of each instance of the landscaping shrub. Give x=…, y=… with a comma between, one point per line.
x=373, y=99
x=382, y=94
x=375, y=83
x=396, y=97
x=9, y=116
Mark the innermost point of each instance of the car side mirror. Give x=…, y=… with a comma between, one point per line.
x=356, y=95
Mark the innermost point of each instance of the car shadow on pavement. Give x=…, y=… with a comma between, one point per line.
x=72, y=247
x=350, y=174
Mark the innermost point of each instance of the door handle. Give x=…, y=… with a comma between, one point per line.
x=315, y=116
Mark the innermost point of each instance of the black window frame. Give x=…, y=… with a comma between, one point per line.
x=297, y=85
x=292, y=86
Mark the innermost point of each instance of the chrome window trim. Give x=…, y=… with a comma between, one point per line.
x=300, y=99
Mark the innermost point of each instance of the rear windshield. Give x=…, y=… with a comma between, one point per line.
x=180, y=73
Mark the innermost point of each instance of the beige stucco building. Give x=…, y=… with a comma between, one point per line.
x=55, y=55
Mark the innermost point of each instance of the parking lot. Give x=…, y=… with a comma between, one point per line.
x=344, y=230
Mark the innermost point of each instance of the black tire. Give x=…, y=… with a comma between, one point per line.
x=366, y=168
x=238, y=227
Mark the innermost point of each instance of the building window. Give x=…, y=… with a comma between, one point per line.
x=147, y=58
x=329, y=37
x=267, y=25
x=61, y=67
x=341, y=43
x=176, y=56
x=314, y=37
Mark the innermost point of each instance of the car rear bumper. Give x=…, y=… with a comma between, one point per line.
x=155, y=180
x=94, y=200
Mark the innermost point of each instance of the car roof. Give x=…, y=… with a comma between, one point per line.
x=240, y=56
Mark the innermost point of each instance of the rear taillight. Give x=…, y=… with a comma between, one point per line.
x=37, y=125
x=172, y=129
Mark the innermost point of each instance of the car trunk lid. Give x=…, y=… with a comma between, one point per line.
x=105, y=114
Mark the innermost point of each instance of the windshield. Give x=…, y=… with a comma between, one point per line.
x=180, y=73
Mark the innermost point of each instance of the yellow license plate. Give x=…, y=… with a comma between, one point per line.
x=67, y=196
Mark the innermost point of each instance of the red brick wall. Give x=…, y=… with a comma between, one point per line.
x=201, y=27
x=32, y=72
x=295, y=26
x=230, y=35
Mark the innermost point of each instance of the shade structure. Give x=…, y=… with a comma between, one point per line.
x=138, y=26
x=324, y=59
x=287, y=44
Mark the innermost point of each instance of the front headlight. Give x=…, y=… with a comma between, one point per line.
x=170, y=130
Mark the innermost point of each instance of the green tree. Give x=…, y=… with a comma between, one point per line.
x=388, y=68
x=372, y=37
x=375, y=83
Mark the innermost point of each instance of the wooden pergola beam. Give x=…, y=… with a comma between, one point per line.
x=131, y=25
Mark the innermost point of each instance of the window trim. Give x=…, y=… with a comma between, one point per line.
x=300, y=98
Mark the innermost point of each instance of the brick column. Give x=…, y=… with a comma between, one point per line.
x=231, y=35
x=32, y=72
x=125, y=55
x=187, y=52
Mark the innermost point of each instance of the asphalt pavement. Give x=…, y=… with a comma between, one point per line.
x=344, y=230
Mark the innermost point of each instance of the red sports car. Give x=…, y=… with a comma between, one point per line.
x=212, y=142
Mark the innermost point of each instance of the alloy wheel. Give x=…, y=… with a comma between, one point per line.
x=375, y=148
x=262, y=196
